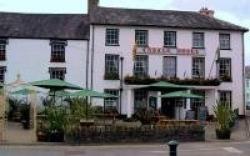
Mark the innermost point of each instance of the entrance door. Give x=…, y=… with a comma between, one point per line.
x=168, y=108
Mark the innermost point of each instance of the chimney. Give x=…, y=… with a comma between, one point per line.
x=92, y=4
x=206, y=12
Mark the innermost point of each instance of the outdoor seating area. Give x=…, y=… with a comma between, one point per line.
x=66, y=114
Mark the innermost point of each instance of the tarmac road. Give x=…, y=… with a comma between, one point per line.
x=185, y=149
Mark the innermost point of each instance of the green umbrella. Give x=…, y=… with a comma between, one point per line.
x=62, y=93
x=24, y=91
x=91, y=93
x=55, y=85
x=181, y=94
x=163, y=85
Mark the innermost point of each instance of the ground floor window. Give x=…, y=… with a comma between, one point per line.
x=2, y=73
x=195, y=104
x=140, y=99
x=57, y=73
x=111, y=104
x=226, y=98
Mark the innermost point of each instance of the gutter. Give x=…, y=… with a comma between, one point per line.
x=243, y=74
x=92, y=58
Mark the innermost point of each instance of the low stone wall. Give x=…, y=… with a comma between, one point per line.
x=143, y=134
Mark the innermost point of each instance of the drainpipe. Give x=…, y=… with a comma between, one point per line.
x=243, y=74
x=87, y=65
x=92, y=59
x=121, y=84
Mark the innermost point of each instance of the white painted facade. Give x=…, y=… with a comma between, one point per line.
x=31, y=59
x=184, y=63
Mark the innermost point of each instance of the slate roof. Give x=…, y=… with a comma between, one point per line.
x=63, y=26
x=77, y=26
x=159, y=18
x=247, y=72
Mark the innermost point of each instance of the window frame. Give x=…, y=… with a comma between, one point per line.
x=175, y=39
x=3, y=49
x=57, y=69
x=144, y=95
x=58, y=51
x=225, y=92
x=222, y=77
x=204, y=67
x=146, y=38
x=112, y=99
x=117, y=35
x=163, y=72
x=203, y=40
x=116, y=75
x=3, y=70
x=225, y=48
x=138, y=73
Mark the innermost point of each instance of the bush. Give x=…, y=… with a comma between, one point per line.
x=145, y=115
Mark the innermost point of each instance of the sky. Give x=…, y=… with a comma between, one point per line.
x=235, y=11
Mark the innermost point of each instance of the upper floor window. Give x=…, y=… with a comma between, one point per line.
x=170, y=38
x=112, y=37
x=57, y=73
x=226, y=98
x=3, y=43
x=198, y=70
x=224, y=41
x=111, y=67
x=141, y=37
x=2, y=74
x=141, y=66
x=169, y=66
x=198, y=40
x=58, y=51
x=225, y=69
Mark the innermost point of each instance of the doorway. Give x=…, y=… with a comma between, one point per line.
x=168, y=108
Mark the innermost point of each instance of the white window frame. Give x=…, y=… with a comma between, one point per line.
x=198, y=67
x=141, y=37
x=198, y=40
x=141, y=66
x=225, y=43
x=112, y=37
x=169, y=66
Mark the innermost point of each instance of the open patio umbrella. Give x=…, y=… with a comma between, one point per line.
x=163, y=85
x=55, y=85
x=91, y=93
x=181, y=94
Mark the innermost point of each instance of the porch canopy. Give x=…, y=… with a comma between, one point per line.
x=162, y=86
x=181, y=94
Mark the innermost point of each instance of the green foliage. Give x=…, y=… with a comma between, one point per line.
x=56, y=117
x=145, y=115
x=148, y=80
x=224, y=116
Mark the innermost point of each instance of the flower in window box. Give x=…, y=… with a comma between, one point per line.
x=111, y=76
x=226, y=78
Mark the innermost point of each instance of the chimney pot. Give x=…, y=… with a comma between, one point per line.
x=206, y=12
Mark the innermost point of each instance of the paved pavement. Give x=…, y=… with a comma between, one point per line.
x=185, y=149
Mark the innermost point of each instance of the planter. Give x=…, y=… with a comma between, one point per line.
x=223, y=134
x=26, y=124
x=56, y=137
x=72, y=139
x=42, y=136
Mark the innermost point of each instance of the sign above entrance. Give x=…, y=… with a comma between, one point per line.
x=169, y=51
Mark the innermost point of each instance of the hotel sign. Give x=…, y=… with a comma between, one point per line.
x=169, y=51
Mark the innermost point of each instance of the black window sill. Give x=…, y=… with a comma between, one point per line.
x=142, y=46
x=198, y=47
x=112, y=45
x=226, y=49
x=57, y=61
x=166, y=46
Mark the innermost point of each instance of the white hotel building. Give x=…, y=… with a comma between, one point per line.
x=98, y=51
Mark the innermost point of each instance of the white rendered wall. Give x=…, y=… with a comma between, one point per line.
x=31, y=59
x=184, y=63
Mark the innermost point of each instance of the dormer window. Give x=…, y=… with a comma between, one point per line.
x=58, y=50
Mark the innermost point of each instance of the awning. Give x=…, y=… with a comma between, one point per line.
x=181, y=94
x=162, y=85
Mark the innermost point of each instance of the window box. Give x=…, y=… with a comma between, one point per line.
x=133, y=80
x=226, y=78
x=111, y=76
